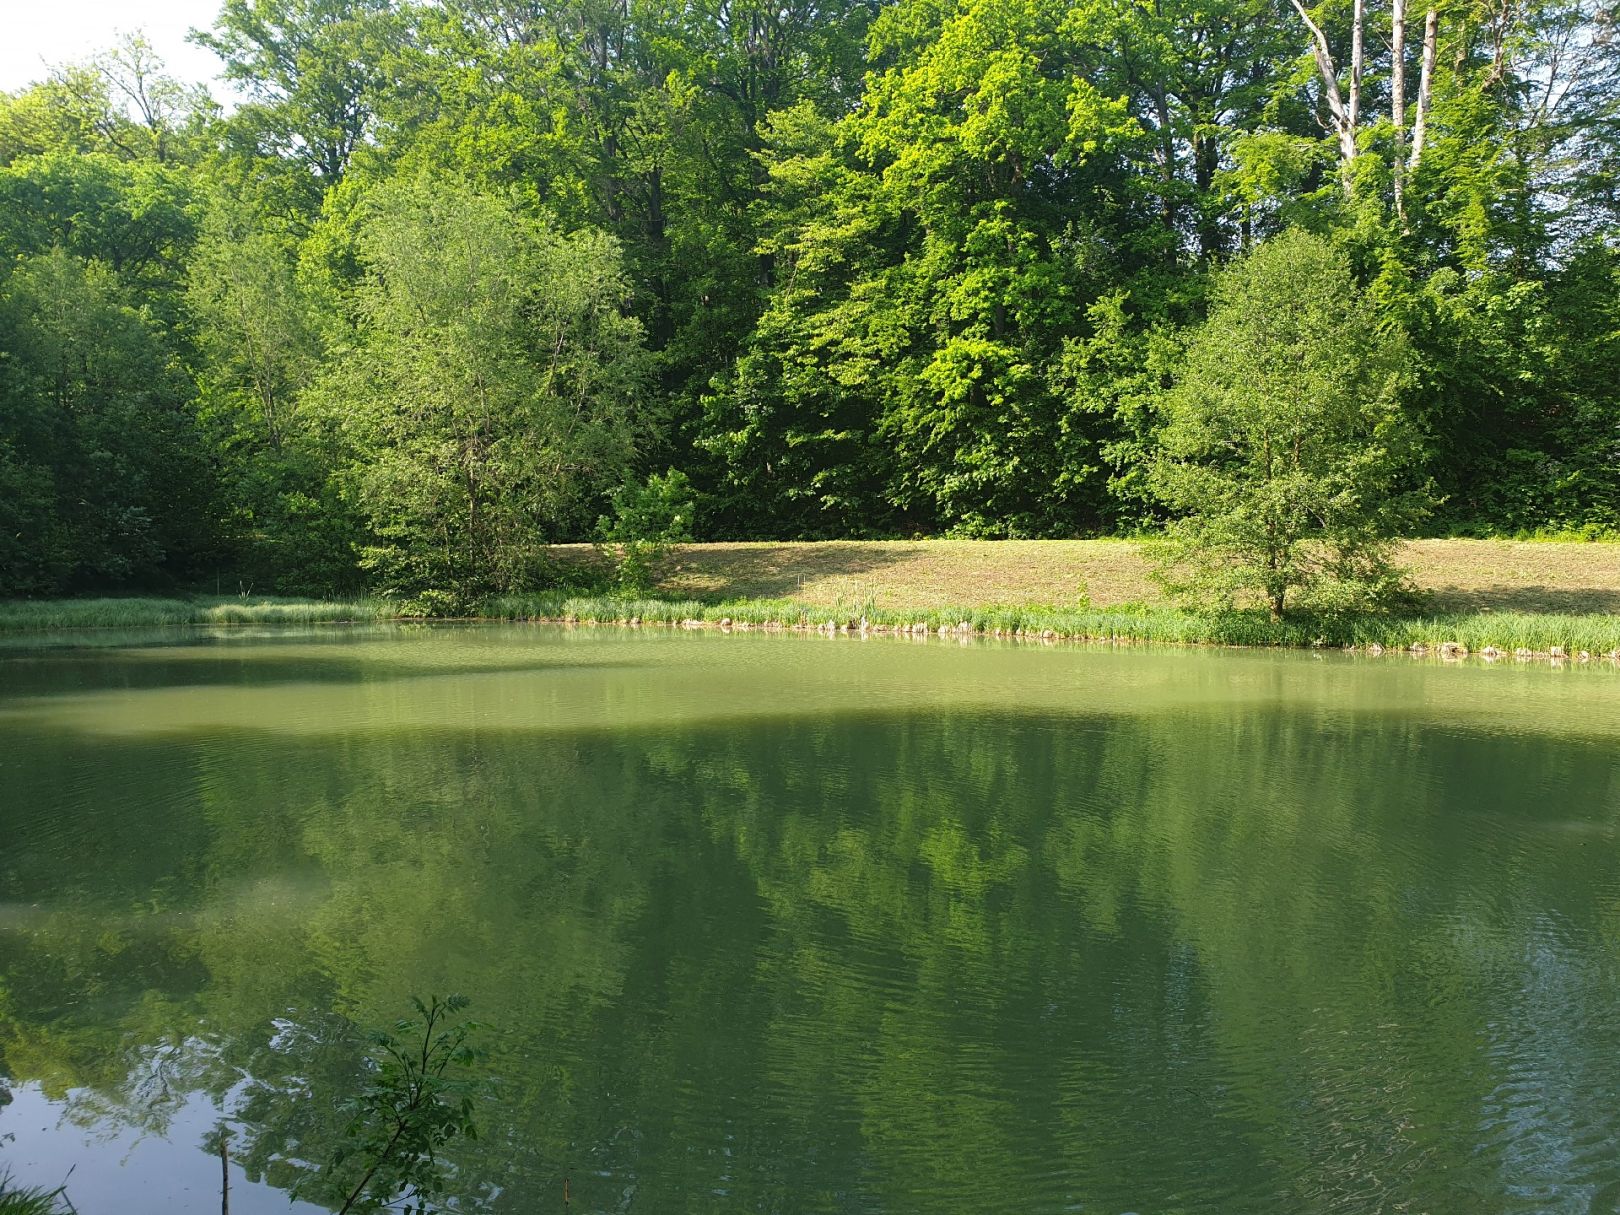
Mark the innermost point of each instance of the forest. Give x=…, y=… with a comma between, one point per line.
x=441, y=285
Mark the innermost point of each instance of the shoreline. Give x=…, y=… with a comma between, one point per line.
x=1488, y=636
x=1448, y=650
x=1445, y=651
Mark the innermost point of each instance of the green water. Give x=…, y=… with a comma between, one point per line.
x=778, y=923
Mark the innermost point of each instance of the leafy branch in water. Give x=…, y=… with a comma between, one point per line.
x=418, y=1101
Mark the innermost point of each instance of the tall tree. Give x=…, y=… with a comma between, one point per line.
x=312, y=71
x=1285, y=445
x=988, y=150
x=492, y=392
x=136, y=107
x=136, y=216
x=259, y=334
x=96, y=438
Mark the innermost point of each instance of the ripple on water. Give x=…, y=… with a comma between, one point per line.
x=798, y=925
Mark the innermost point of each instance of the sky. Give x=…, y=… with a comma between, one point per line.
x=36, y=34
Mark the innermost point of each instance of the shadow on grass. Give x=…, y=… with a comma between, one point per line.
x=1568, y=601
x=783, y=571
x=717, y=572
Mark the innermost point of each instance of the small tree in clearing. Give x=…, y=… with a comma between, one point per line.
x=1285, y=448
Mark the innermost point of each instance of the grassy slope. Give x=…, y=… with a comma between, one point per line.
x=1482, y=593
x=1460, y=575
x=1506, y=594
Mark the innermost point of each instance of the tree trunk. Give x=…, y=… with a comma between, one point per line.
x=1357, y=57
x=1397, y=98
x=1431, y=29
x=1206, y=164
x=1343, y=117
x=1167, y=161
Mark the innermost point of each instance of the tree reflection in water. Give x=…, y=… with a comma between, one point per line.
x=1247, y=954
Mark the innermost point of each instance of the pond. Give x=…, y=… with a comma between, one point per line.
x=777, y=923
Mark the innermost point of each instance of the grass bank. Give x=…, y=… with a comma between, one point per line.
x=1483, y=596
x=30, y=615
x=1489, y=634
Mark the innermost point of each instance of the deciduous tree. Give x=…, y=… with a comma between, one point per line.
x=1285, y=452
x=493, y=390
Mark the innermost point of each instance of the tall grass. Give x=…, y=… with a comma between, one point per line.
x=31, y=1200
x=1509, y=631
x=1506, y=631
x=47, y=614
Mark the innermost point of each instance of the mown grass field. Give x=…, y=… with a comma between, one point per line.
x=1458, y=575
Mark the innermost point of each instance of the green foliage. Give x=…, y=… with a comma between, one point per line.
x=491, y=390
x=1118, y=374
x=913, y=268
x=418, y=1100
x=1285, y=446
x=789, y=429
x=312, y=71
x=133, y=216
x=1520, y=392
x=258, y=327
x=649, y=519
x=108, y=483
x=929, y=275
x=31, y=1200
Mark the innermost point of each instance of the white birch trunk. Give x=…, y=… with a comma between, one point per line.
x=1356, y=60
x=1397, y=98
x=1343, y=118
x=1420, y=124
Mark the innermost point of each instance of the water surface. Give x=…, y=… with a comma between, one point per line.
x=784, y=923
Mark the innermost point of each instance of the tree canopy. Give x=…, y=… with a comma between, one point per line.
x=915, y=267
